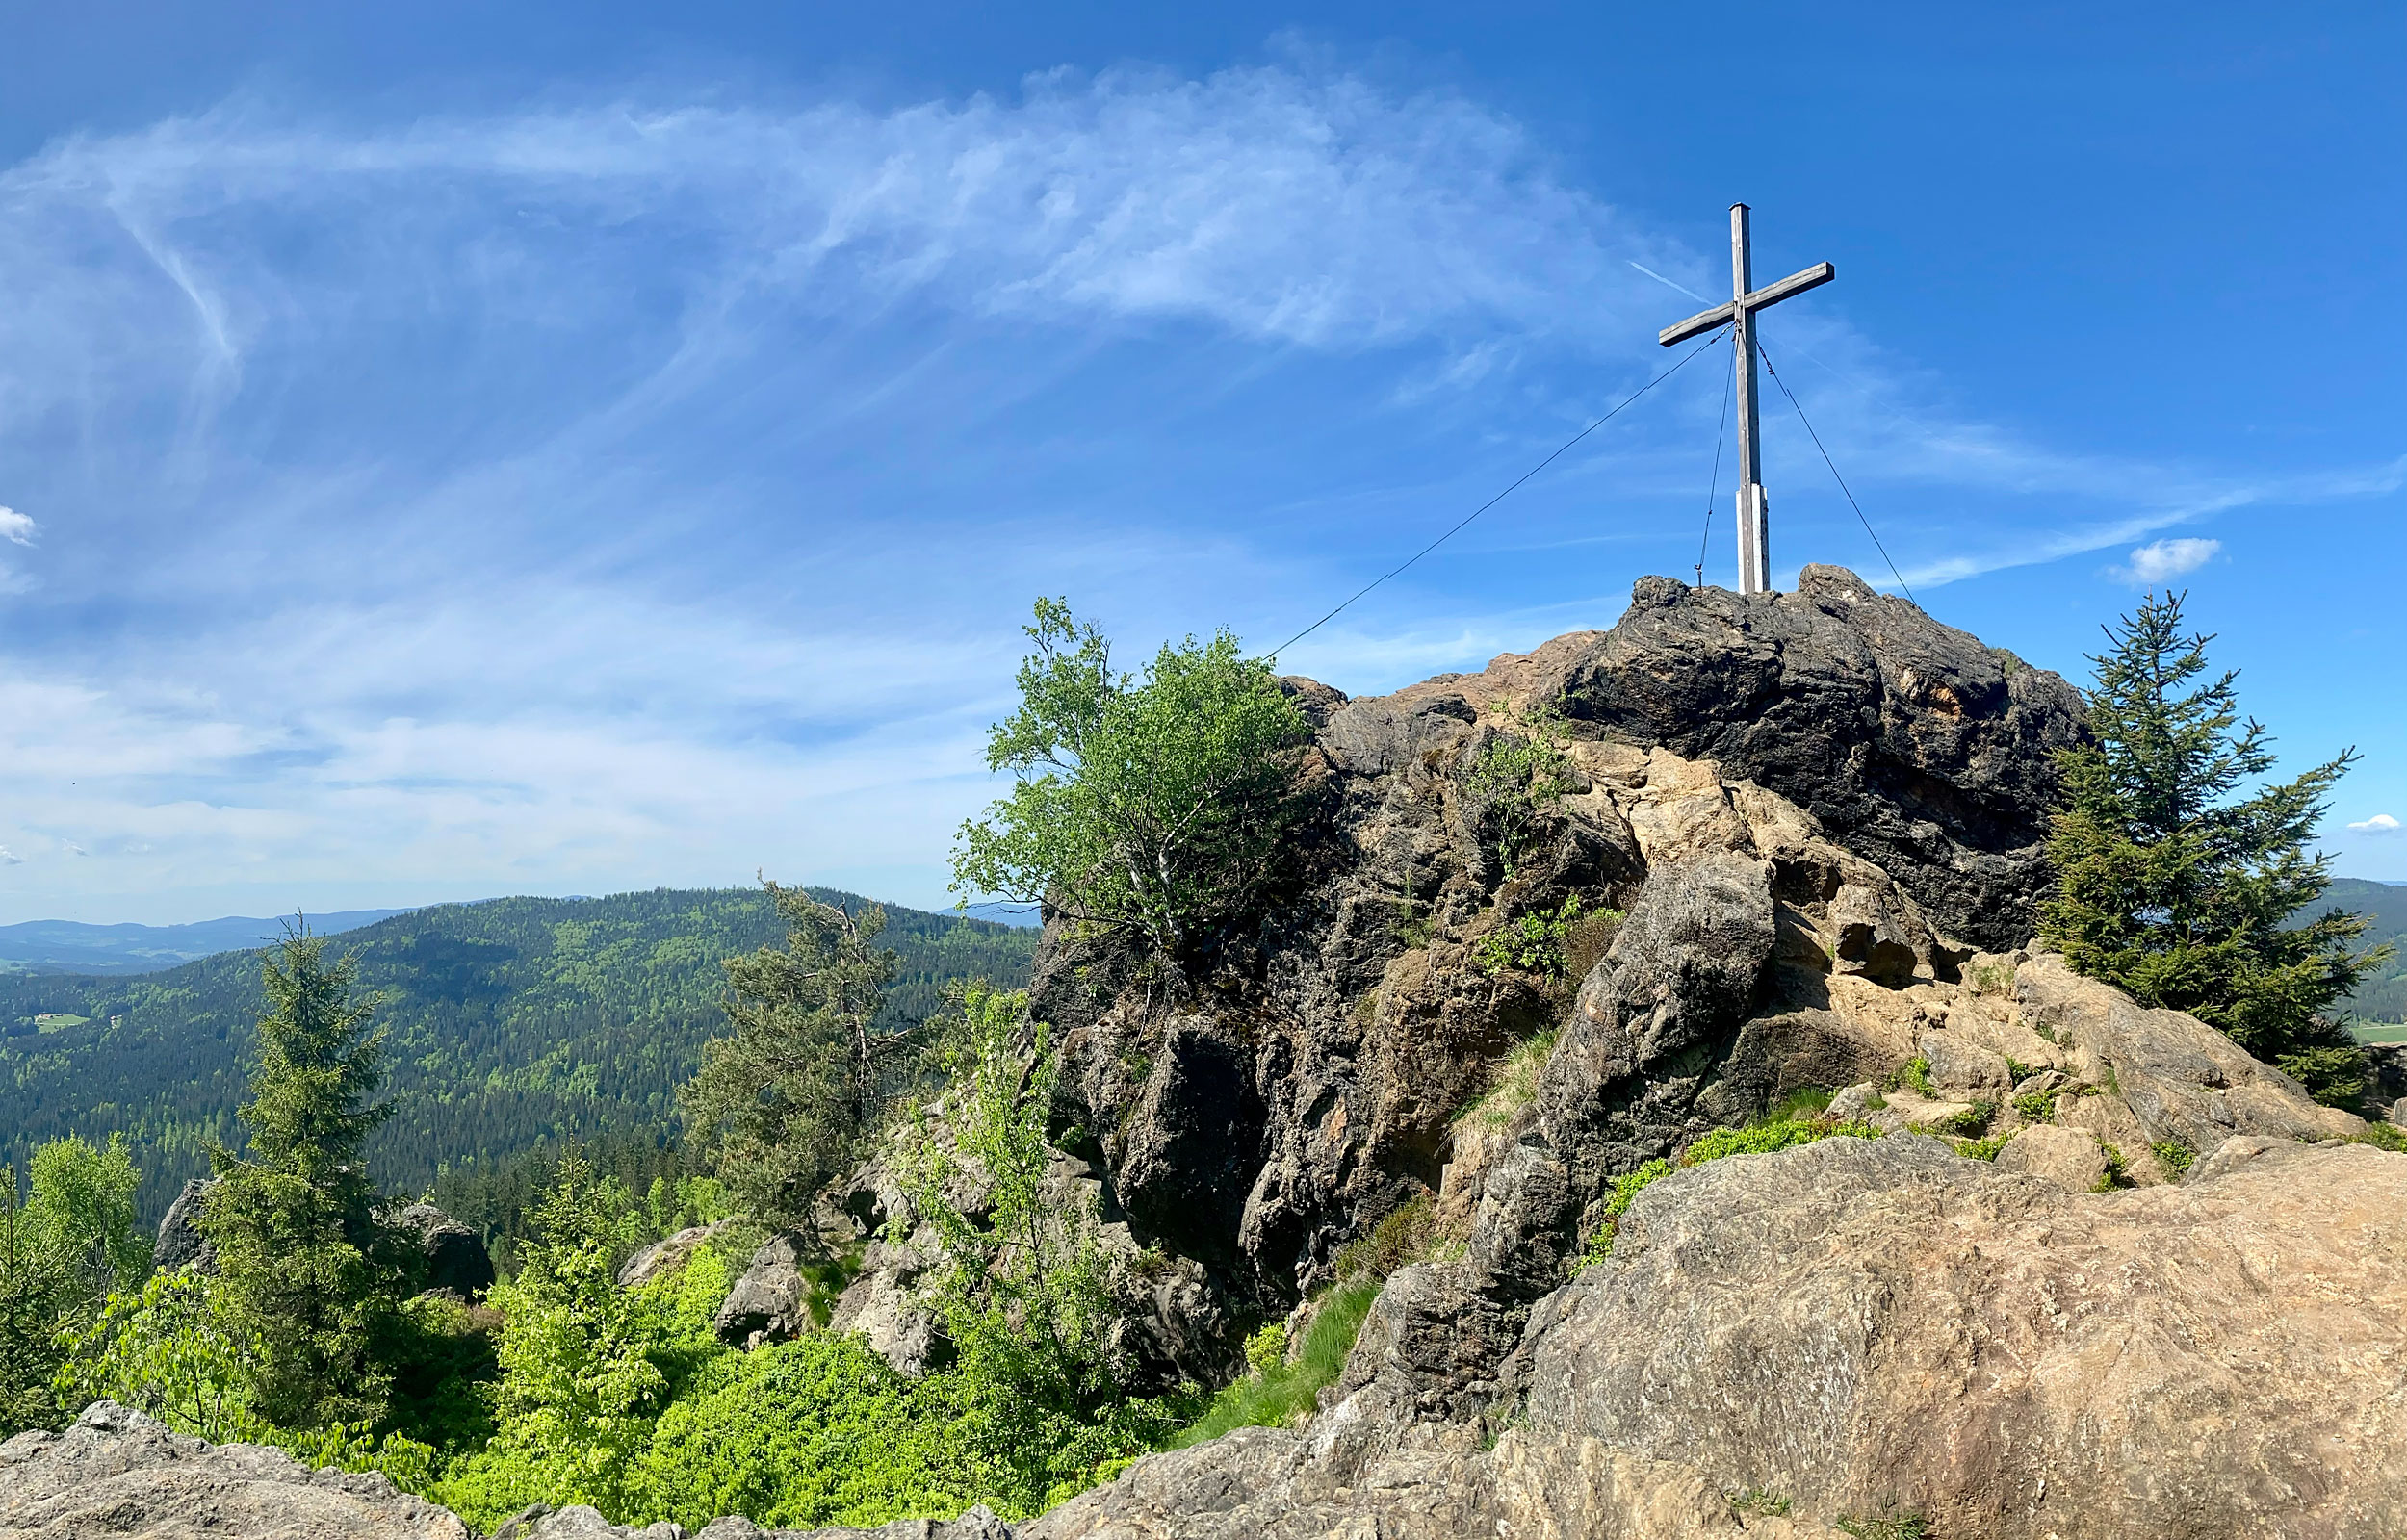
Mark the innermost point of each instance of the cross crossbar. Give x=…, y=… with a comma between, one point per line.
x=1739, y=315
x=1771, y=293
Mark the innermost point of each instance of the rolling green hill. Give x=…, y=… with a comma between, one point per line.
x=511, y=1024
x=2383, y=996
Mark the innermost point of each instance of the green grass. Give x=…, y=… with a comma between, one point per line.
x=1760, y=1138
x=1290, y=1390
x=2382, y=1032
x=1804, y=1104
x=1515, y=1086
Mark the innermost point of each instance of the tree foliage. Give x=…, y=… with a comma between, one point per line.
x=1024, y=1290
x=513, y=1029
x=587, y=1367
x=62, y=1250
x=1163, y=805
x=307, y=1274
x=2177, y=882
x=788, y=1097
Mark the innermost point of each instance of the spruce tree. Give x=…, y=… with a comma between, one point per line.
x=2177, y=884
x=307, y=1273
x=787, y=1099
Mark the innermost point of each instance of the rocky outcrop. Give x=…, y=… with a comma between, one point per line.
x=771, y=1302
x=1882, y=780
x=181, y=1245
x=1867, y=1329
x=116, y=1472
x=665, y=1257
x=452, y=1256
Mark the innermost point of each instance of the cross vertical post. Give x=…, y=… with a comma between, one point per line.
x=1754, y=511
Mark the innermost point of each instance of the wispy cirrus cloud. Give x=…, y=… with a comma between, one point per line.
x=630, y=489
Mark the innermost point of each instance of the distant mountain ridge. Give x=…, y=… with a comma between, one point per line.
x=72, y=947
x=511, y=1023
x=2383, y=996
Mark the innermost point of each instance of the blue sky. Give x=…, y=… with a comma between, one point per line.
x=463, y=449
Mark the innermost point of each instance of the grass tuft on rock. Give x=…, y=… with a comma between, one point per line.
x=1762, y=1138
x=1281, y=1393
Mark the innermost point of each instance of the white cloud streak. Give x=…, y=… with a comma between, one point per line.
x=390, y=458
x=2381, y=823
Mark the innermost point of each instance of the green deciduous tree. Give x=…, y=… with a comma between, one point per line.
x=170, y=1349
x=309, y=1277
x=62, y=1251
x=2177, y=882
x=1163, y=806
x=787, y=1098
x=587, y=1367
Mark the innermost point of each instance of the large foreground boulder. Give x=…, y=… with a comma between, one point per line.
x=116, y=1472
x=1861, y=1331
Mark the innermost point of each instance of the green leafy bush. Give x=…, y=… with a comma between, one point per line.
x=812, y=1432
x=2174, y=1156
x=1517, y=778
x=1549, y=944
x=587, y=1368
x=1970, y=1123
x=2383, y=1136
x=1163, y=806
x=2037, y=1106
x=1914, y=1075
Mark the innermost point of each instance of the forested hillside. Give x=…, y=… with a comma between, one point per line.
x=512, y=1024
x=2383, y=996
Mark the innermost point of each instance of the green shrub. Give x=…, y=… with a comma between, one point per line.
x=1915, y=1075
x=1984, y=1150
x=2174, y=1156
x=1163, y=807
x=2037, y=1106
x=1542, y=941
x=1970, y=1123
x=1266, y=1350
x=812, y=1432
x=1516, y=779
x=2117, y=1173
x=2383, y=1136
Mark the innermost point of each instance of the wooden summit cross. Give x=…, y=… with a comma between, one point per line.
x=1754, y=509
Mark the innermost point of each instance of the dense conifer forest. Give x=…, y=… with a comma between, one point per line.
x=512, y=1026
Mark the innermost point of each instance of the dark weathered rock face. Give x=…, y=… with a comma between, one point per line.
x=1900, y=779
x=771, y=1302
x=181, y=1244
x=453, y=1256
x=1912, y=743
